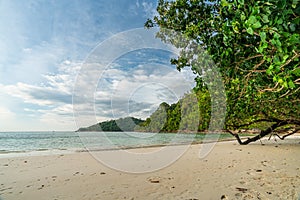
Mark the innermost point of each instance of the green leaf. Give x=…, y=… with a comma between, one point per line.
x=265, y=19
x=263, y=36
x=251, y=20
x=294, y=4
x=241, y=2
x=269, y=4
x=243, y=17
x=278, y=43
x=285, y=58
x=279, y=21
x=269, y=72
x=250, y=31
x=296, y=72
x=256, y=25
x=224, y=3
x=292, y=27
x=291, y=84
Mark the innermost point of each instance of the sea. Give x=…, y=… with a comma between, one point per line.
x=14, y=144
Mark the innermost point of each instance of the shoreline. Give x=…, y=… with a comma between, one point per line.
x=45, y=152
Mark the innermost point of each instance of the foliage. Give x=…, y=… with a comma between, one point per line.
x=254, y=44
x=190, y=114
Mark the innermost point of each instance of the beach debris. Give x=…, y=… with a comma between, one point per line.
x=25, y=161
x=258, y=170
x=223, y=196
x=102, y=173
x=154, y=180
x=242, y=189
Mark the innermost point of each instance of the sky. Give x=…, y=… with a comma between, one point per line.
x=46, y=47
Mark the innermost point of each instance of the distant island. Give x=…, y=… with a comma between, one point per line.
x=118, y=125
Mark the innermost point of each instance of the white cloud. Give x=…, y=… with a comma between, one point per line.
x=60, y=117
x=138, y=91
x=57, y=88
x=49, y=103
x=149, y=8
x=27, y=50
x=6, y=113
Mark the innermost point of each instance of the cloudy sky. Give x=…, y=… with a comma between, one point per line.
x=48, y=66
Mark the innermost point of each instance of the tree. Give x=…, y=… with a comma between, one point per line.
x=254, y=44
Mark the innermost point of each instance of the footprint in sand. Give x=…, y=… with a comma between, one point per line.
x=54, y=178
x=42, y=186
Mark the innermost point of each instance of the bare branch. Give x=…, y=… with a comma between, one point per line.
x=284, y=136
x=290, y=60
x=249, y=58
x=253, y=122
x=270, y=89
x=265, y=132
x=285, y=94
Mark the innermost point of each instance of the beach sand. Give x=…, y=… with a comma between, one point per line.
x=230, y=171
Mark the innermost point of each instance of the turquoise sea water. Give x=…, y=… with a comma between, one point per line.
x=38, y=141
x=16, y=142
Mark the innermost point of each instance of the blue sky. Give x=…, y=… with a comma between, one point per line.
x=43, y=45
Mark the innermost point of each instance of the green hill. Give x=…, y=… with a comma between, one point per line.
x=190, y=114
x=120, y=125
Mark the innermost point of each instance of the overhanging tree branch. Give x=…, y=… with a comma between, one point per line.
x=265, y=132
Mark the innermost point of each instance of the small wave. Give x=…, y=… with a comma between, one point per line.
x=7, y=151
x=38, y=152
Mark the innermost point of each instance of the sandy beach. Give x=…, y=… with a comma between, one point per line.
x=230, y=171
